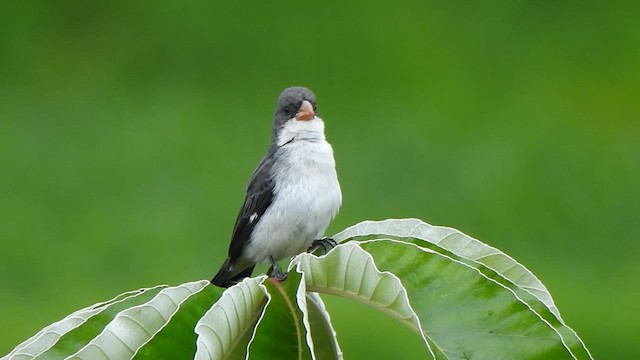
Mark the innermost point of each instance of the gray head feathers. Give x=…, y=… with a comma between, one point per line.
x=288, y=104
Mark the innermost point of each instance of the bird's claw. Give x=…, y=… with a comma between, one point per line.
x=275, y=272
x=326, y=243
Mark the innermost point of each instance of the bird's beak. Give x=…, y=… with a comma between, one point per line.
x=305, y=113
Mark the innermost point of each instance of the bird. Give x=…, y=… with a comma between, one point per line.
x=292, y=195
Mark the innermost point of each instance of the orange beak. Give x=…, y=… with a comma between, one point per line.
x=305, y=113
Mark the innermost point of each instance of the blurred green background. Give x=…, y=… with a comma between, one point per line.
x=128, y=131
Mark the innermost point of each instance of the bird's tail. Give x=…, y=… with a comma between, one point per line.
x=225, y=278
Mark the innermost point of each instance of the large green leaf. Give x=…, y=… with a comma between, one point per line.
x=464, y=312
x=460, y=312
x=454, y=241
x=135, y=326
x=488, y=260
x=68, y=335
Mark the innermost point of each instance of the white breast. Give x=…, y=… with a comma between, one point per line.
x=306, y=196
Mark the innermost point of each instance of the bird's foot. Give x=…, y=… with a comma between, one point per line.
x=275, y=272
x=326, y=243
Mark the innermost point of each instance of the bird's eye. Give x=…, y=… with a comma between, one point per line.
x=287, y=110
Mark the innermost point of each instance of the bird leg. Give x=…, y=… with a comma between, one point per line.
x=275, y=272
x=326, y=243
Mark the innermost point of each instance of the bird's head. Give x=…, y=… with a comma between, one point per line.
x=296, y=116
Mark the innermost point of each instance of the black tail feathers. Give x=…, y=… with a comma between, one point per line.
x=225, y=278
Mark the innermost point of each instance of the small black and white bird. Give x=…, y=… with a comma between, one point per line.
x=292, y=195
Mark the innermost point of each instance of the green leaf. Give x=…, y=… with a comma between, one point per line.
x=455, y=242
x=461, y=312
x=465, y=312
x=68, y=335
x=324, y=342
x=226, y=329
x=177, y=340
x=348, y=271
x=280, y=333
x=135, y=326
x=488, y=260
x=294, y=325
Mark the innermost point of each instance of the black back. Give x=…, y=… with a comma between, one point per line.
x=259, y=197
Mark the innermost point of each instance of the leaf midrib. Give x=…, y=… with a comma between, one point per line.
x=294, y=314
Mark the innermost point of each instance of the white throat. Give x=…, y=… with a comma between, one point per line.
x=292, y=130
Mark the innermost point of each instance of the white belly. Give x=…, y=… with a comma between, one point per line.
x=306, y=198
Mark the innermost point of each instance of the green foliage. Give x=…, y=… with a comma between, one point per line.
x=434, y=280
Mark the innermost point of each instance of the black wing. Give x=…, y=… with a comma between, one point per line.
x=258, y=198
